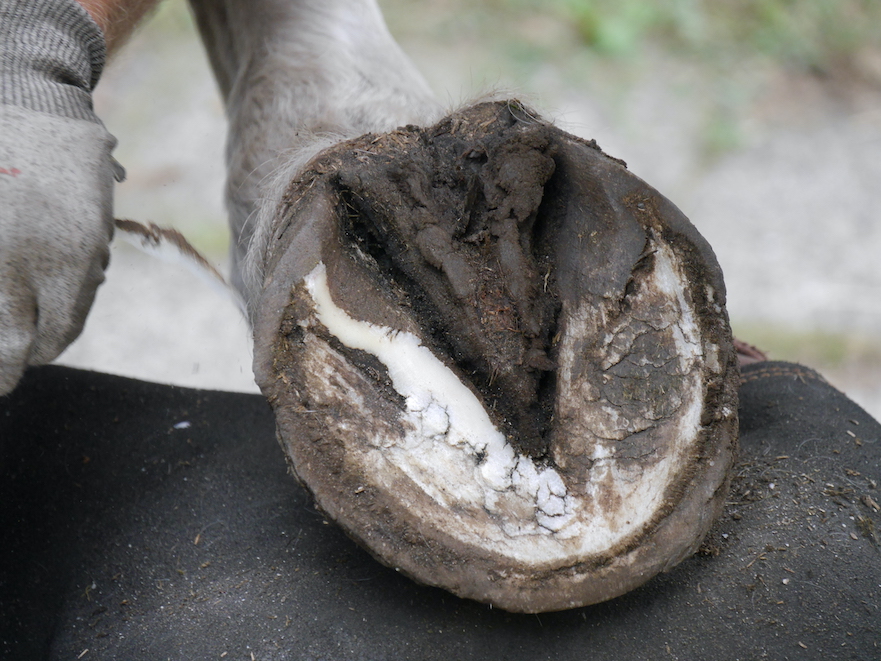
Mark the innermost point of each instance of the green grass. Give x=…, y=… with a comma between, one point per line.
x=818, y=349
x=812, y=34
x=733, y=48
x=850, y=362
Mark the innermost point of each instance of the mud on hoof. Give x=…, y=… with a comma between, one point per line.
x=498, y=360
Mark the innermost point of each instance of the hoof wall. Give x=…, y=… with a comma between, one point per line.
x=498, y=360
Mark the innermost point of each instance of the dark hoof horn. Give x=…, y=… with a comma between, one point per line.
x=498, y=360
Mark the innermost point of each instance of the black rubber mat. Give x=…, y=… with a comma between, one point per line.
x=143, y=521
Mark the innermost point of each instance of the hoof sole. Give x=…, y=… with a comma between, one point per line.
x=498, y=360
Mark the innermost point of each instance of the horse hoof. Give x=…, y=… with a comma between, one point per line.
x=498, y=360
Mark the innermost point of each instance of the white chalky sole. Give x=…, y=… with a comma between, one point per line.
x=451, y=452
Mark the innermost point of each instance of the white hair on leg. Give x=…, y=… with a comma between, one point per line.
x=293, y=73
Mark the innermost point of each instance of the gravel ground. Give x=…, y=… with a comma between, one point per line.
x=792, y=211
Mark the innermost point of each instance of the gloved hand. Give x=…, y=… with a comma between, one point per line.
x=56, y=180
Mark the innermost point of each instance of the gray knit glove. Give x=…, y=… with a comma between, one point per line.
x=56, y=180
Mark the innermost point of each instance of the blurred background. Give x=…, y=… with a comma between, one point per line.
x=760, y=119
